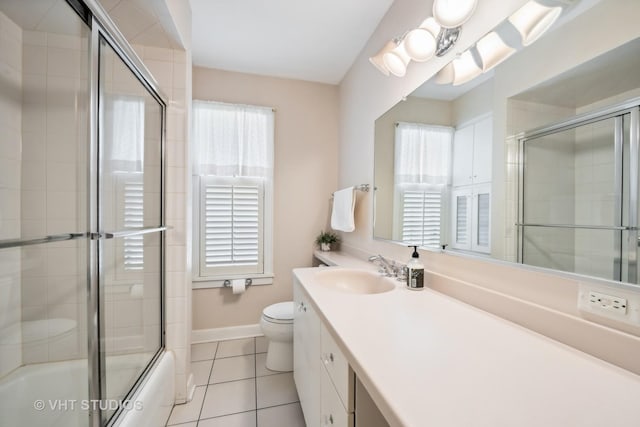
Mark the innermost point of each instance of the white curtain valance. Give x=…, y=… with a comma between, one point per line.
x=232, y=140
x=422, y=154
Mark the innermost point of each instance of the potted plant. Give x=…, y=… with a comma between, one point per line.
x=325, y=239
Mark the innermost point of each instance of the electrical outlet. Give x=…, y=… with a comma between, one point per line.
x=608, y=302
x=618, y=304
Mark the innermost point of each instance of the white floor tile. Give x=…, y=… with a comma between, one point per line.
x=203, y=351
x=244, y=419
x=189, y=411
x=201, y=371
x=261, y=368
x=262, y=344
x=236, y=348
x=233, y=368
x=229, y=398
x=281, y=416
x=191, y=424
x=275, y=390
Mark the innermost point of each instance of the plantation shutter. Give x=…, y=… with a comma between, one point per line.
x=421, y=217
x=133, y=218
x=462, y=220
x=231, y=221
x=484, y=200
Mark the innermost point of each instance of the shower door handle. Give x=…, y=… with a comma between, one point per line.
x=16, y=243
x=129, y=232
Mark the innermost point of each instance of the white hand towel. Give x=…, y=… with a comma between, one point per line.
x=344, y=203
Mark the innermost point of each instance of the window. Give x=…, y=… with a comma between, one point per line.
x=233, y=187
x=124, y=137
x=422, y=169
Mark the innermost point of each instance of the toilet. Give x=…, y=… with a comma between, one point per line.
x=277, y=326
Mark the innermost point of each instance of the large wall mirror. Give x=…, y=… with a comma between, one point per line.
x=535, y=162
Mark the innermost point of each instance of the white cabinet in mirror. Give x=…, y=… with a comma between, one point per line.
x=529, y=178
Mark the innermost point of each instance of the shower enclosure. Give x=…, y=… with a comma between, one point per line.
x=81, y=216
x=579, y=201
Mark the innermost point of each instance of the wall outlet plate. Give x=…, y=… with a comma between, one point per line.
x=616, y=304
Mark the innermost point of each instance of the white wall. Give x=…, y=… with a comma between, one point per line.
x=306, y=141
x=544, y=302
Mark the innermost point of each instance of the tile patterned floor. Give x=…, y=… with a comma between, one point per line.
x=235, y=389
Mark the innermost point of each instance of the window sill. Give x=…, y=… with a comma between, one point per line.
x=215, y=282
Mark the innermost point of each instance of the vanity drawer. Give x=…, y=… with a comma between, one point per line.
x=332, y=412
x=338, y=368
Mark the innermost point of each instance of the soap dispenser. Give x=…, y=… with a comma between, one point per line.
x=415, y=271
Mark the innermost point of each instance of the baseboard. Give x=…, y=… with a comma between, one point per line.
x=228, y=333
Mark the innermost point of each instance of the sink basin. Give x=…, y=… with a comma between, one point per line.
x=355, y=281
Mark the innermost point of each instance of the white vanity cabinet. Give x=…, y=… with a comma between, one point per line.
x=337, y=384
x=324, y=380
x=306, y=355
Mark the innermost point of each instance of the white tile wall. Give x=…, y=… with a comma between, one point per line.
x=10, y=154
x=172, y=70
x=53, y=175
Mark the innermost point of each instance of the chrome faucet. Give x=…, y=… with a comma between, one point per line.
x=388, y=268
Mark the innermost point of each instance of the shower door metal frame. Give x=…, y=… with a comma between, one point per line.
x=617, y=112
x=102, y=27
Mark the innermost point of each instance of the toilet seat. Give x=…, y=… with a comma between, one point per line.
x=281, y=312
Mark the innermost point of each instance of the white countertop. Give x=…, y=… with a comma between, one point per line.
x=430, y=360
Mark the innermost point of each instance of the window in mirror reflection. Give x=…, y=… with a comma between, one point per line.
x=422, y=177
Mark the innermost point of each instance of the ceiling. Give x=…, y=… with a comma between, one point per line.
x=145, y=22
x=306, y=40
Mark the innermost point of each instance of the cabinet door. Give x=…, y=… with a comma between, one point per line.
x=338, y=368
x=482, y=150
x=462, y=209
x=463, y=156
x=306, y=355
x=333, y=414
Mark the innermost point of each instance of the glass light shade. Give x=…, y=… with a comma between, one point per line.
x=533, y=19
x=397, y=60
x=453, y=13
x=377, y=60
x=420, y=44
x=445, y=75
x=493, y=50
x=465, y=68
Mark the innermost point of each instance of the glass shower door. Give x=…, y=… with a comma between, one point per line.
x=130, y=220
x=44, y=108
x=577, y=195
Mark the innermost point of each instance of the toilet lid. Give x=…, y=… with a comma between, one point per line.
x=282, y=311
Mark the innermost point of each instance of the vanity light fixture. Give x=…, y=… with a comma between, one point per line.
x=438, y=34
x=453, y=13
x=435, y=36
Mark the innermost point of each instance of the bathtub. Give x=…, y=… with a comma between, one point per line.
x=53, y=395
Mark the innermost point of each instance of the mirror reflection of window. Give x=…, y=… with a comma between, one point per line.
x=125, y=116
x=422, y=177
